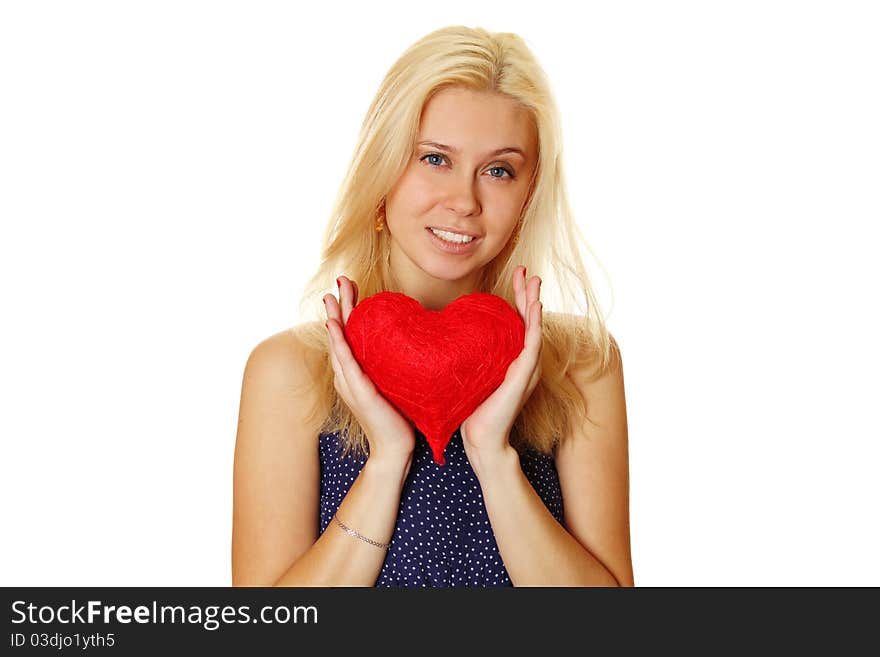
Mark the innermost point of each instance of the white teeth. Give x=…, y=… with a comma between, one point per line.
x=452, y=237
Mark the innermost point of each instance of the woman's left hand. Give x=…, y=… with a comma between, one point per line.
x=486, y=432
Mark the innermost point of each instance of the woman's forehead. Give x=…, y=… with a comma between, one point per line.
x=482, y=122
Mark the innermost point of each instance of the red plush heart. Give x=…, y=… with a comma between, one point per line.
x=435, y=366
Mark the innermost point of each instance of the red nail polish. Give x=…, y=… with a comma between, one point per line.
x=338, y=284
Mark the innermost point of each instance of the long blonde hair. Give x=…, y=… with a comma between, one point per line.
x=548, y=240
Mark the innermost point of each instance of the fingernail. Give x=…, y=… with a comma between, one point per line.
x=327, y=325
x=338, y=284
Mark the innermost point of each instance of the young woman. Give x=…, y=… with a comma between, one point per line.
x=333, y=486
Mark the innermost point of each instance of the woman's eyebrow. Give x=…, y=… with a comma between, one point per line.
x=453, y=149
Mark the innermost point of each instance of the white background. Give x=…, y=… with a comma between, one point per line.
x=166, y=169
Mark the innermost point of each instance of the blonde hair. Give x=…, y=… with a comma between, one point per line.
x=478, y=60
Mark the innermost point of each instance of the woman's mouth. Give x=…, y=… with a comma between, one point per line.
x=451, y=242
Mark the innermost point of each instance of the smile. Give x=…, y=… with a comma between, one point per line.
x=452, y=242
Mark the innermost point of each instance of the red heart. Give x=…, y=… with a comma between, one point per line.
x=435, y=366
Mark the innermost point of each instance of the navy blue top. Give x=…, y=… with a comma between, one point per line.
x=442, y=536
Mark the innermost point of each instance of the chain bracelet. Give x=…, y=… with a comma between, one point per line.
x=352, y=532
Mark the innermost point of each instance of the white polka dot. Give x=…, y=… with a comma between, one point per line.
x=453, y=544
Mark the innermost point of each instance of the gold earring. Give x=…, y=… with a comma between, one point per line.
x=516, y=235
x=380, y=218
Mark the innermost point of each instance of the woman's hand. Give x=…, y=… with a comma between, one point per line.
x=486, y=432
x=390, y=435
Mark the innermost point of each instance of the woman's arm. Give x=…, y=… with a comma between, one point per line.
x=370, y=508
x=535, y=548
x=277, y=486
x=593, y=549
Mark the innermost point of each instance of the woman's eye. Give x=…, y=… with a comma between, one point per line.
x=433, y=155
x=443, y=157
x=507, y=171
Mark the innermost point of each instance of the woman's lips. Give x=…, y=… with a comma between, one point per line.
x=451, y=247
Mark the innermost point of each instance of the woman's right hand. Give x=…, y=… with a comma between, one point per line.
x=390, y=435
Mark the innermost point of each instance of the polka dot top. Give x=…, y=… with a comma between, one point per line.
x=442, y=536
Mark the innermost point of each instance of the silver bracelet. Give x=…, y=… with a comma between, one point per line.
x=352, y=532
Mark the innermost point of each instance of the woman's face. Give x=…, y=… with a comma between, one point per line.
x=460, y=183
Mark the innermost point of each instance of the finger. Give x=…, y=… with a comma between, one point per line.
x=333, y=315
x=535, y=345
x=535, y=334
x=343, y=376
x=359, y=384
x=346, y=293
x=341, y=384
x=523, y=365
x=533, y=288
x=334, y=310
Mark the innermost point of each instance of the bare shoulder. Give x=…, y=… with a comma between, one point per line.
x=283, y=357
x=594, y=380
x=276, y=478
x=279, y=395
x=593, y=464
